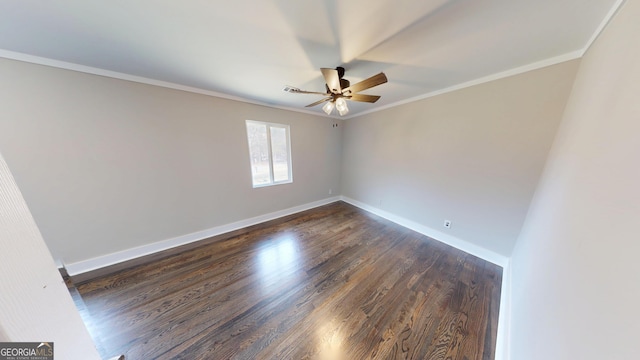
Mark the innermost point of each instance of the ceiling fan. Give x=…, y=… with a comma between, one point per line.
x=339, y=90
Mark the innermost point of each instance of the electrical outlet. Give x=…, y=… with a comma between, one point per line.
x=330, y=191
x=447, y=224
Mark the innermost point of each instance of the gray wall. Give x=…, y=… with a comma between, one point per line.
x=575, y=269
x=473, y=156
x=107, y=165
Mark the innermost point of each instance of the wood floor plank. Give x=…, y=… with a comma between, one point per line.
x=333, y=282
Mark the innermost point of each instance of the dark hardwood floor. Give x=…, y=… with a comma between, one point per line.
x=333, y=282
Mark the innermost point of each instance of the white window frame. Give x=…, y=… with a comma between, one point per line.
x=270, y=125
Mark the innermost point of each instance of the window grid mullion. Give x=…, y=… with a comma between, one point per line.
x=271, y=174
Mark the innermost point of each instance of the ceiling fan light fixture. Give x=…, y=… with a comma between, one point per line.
x=328, y=107
x=341, y=106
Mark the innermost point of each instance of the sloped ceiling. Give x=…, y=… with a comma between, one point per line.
x=248, y=49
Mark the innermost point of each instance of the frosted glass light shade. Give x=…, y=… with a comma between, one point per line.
x=328, y=107
x=341, y=105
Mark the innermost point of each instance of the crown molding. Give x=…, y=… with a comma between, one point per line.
x=12, y=55
x=603, y=25
x=485, y=79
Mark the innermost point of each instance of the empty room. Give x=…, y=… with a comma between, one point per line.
x=441, y=179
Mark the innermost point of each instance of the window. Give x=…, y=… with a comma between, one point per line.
x=270, y=153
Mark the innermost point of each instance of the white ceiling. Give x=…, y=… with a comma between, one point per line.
x=250, y=49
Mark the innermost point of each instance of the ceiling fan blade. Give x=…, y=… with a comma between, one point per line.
x=364, y=98
x=308, y=92
x=365, y=84
x=295, y=90
x=318, y=102
x=332, y=79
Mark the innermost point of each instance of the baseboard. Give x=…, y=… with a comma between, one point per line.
x=100, y=262
x=457, y=243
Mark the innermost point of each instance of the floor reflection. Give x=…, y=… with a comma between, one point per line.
x=330, y=342
x=279, y=261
